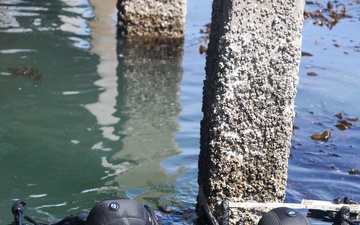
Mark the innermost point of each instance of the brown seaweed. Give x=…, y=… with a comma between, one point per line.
x=206, y=31
x=354, y=172
x=306, y=54
x=322, y=137
x=344, y=124
x=329, y=15
x=29, y=72
x=312, y=74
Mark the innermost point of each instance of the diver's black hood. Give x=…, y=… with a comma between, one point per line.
x=284, y=216
x=121, y=212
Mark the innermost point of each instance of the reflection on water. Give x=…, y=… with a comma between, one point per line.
x=138, y=107
x=149, y=78
x=100, y=120
x=103, y=43
x=72, y=15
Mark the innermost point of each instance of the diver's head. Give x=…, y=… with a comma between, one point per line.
x=284, y=216
x=121, y=212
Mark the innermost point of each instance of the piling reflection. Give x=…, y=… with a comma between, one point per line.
x=103, y=44
x=149, y=74
x=138, y=109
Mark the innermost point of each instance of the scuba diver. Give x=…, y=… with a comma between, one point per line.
x=107, y=212
x=130, y=212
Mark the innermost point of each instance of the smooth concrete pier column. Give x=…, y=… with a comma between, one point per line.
x=165, y=18
x=248, y=103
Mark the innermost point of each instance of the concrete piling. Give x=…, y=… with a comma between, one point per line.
x=248, y=104
x=151, y=18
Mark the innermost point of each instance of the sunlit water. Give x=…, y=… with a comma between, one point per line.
x=114, y=119
x=321, y=169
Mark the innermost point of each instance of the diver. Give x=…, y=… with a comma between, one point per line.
x=107, y=212
x=131, y=212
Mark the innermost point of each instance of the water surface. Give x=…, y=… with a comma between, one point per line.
x=112, y=118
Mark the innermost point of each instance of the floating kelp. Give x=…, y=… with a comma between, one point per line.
x=206, y=31
x=306, y=54
x=344, y=124
x=293, y=130
x=202, y=49
x=339, y=115
x=322, y=137
x=328, y=15
x=29, y=72
x=341, y=126
x=354, y=171
x=312, y=74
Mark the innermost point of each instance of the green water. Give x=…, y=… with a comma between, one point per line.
x=86, y=130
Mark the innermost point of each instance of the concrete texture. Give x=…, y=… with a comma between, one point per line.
x=248, y=103
x=151, y=18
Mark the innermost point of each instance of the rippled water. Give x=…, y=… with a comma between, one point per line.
x=319, y=169
x=112, y=118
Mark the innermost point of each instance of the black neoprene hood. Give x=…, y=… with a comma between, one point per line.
x=119, y=212
x=284, y=216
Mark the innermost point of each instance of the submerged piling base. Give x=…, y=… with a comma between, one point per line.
x=151, y=18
